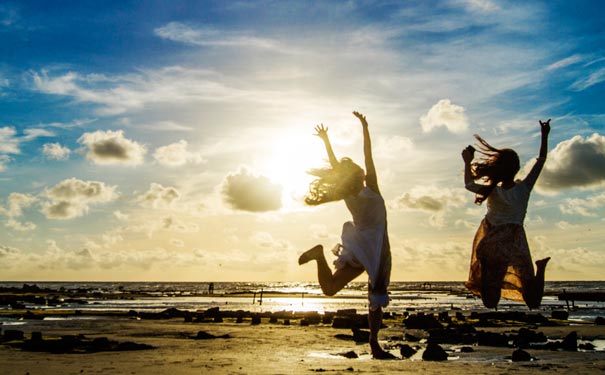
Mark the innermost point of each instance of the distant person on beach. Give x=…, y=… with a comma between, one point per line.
x=501, y=265
x=365, y=243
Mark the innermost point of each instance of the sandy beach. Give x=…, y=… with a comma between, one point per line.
x=274, y=347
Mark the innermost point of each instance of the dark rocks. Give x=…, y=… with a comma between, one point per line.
x=407, y=351
x=202, y=335
x=434, y=352
x=587, y=346
x=411, y=338
x=521, y=355
x=255, y=320
x=454, y=334
x=559, y=314
x=466, y=349
x=12, y=334
x=421, y=321
x=492, y=339
x=350, y=354
x=76, y=344
x=361, y=335
x=600, y=321
x=527, y=336
x=570, y=342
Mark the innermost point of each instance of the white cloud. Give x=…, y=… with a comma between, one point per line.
x=17, y=202
x=583, y=207
x=179, y=32
x=266, y=241
x=56, y=151
x=431, y=199
x=72, y=198
x=592, y=79
x=111, y=147
x=576, y=162
x=9, y=144
x=243, y=190
x=176, y=154
x=444, y=113
x=563, y=63
x=158, y=196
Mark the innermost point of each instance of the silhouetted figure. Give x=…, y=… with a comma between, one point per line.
x=211, y=288
x=501, y=264
x=365, y=242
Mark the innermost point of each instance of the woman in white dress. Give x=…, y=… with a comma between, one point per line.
x=501, y=264
x=365, y=243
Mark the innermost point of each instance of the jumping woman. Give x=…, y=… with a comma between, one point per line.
x=501, y=265
x=365, y=242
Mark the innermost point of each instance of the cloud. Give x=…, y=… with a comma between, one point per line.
x=9, y=143
x=176, y=154
x=444, y=113
x=111, y=147
x=158, y=196
x=72, y=198
x=56, y=151
x=576, y=162
x=246, y=191
x=583, y=207
x=433, y=200
x=266, y=241
x=119, y=94
x=592, y=79
x=16, y=203
x=563, y=63
x=207, y=37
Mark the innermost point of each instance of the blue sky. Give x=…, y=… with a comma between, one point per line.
x=166, y=140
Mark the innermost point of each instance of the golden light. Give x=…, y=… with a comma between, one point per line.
x=291, y=156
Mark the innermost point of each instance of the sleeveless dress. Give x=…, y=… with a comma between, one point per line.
x=365, y=243
x=501, y=242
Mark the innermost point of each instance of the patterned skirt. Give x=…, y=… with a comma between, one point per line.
x=506, y=260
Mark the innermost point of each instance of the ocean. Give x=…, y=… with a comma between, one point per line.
x=291, y=296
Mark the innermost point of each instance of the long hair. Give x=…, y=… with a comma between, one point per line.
x=498, y=165
x=334, y=183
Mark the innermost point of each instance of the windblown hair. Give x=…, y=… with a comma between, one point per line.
x=334, y=184
x=498, y=165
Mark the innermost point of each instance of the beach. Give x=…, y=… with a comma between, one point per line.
x=217, y=341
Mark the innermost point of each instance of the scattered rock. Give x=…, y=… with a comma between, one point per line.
x=559, y=314
x=492, y=339
x=600, y=321
x=202, y=335
x=434, y=352
x=411, y=338
x=13, y=334
x=407, y=351
x=587, y=346
x=521, y=355
x=421, y=322
x=570, y=342
x=466, y=349
x=361, y=335
x=350, y=354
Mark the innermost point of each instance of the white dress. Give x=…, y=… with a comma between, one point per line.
x=363, y=241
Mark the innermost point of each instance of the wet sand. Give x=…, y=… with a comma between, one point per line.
x=276, y=348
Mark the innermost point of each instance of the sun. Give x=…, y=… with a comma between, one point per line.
x=290, y=157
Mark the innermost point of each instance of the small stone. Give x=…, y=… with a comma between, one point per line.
x=521, y=355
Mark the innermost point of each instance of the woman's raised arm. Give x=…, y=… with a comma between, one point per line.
x=371, y=178
x=322, y=132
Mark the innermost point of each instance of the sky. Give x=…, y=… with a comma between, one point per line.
x=169, y=140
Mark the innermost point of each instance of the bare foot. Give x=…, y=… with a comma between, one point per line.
x=313, y=253
x=542, y=262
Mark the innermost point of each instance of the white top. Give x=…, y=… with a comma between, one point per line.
x=506, y=206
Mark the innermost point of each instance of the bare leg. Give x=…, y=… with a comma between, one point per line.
x=330, y=283
x=535, y=290
x=375, y=322
x=491, y=283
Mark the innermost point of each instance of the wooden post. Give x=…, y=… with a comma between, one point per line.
x=260, y=300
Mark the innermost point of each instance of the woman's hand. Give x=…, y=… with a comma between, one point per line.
x=468, y=154
x=545, y=127
x=361, y=118
x=321, y=131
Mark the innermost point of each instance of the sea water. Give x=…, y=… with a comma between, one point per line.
x=296, y=296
